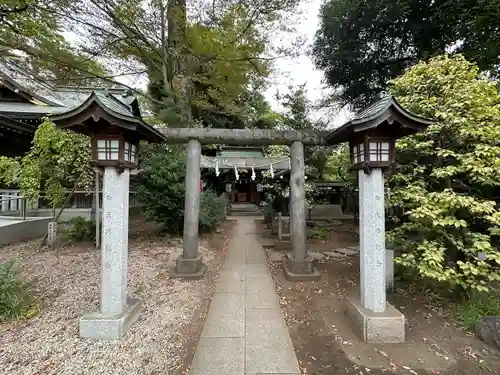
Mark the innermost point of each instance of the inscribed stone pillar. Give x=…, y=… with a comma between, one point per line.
x=189, y=264
x=52, y=233
x=298, y=265
x=297, y=199
x=114, y=241
x=372, y=240
x=117, y=312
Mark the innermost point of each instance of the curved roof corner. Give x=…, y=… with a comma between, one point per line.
x=384, y=111
x=102, y=105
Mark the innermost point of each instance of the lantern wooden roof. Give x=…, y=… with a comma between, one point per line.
x=101, y=110
x=385, y=115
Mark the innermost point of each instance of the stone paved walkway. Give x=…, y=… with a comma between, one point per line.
x=245, y=332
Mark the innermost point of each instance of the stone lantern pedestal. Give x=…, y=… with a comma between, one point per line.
x=376, y=320
x=117, y=311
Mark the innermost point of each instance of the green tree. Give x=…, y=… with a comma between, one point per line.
x=161, y=185
x=297, y=116
x=450, y=226
x=9, y=170
x=202, y=64
x=338, y=167
x=162, y=190
x=297, y=108
x=30, y=34
x=200, y=70
x=58, y=159
x=361, y=44
x=260, y=113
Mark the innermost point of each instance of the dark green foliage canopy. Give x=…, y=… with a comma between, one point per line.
x=161, y=189
x=30, y=35
x=361, y=44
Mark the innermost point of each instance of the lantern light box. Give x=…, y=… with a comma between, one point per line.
x=374, y=152
x=114, y=151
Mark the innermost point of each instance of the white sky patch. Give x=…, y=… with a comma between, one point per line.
x=295, y=71
x=454, y=46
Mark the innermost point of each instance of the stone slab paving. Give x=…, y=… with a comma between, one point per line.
x=245, y=332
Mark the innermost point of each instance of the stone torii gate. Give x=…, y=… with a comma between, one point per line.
x=299, y=266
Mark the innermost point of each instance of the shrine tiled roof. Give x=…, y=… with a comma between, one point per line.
x=11, y=74
x=373, y=109
x=114, y=111
x=44, y=99
x=241, y=152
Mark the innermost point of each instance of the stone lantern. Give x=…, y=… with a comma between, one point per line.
x=372, y=135
x=115, y=129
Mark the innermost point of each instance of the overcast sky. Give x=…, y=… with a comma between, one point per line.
x=299, y=70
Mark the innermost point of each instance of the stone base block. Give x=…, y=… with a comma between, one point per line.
x=284, y=237
x=387, y=327
x=268, y=243
x=189, y=268
x=100, y=326
x=283, y=245
x=300, y=270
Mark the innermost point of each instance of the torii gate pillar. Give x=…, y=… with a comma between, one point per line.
x=299, y=264
x=189, y=264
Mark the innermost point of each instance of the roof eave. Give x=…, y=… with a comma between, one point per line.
x=74, y=111
x=410, y=115
x=392, y=110
x=14, y=85
x=17, y=126
x=147, y=131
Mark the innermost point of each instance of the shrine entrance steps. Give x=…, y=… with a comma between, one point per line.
x=245, y=332
x=245, y=209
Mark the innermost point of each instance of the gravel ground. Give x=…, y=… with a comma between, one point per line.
x=68, y=286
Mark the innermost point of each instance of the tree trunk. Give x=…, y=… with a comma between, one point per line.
x=178, y=57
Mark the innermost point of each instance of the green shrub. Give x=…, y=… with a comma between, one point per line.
x=161, y=186
x=16, y=300
x=478, y=306
x=317, y=233
x=448, y=219
x=161, y=191
x=80, y=229
x=212, y=209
